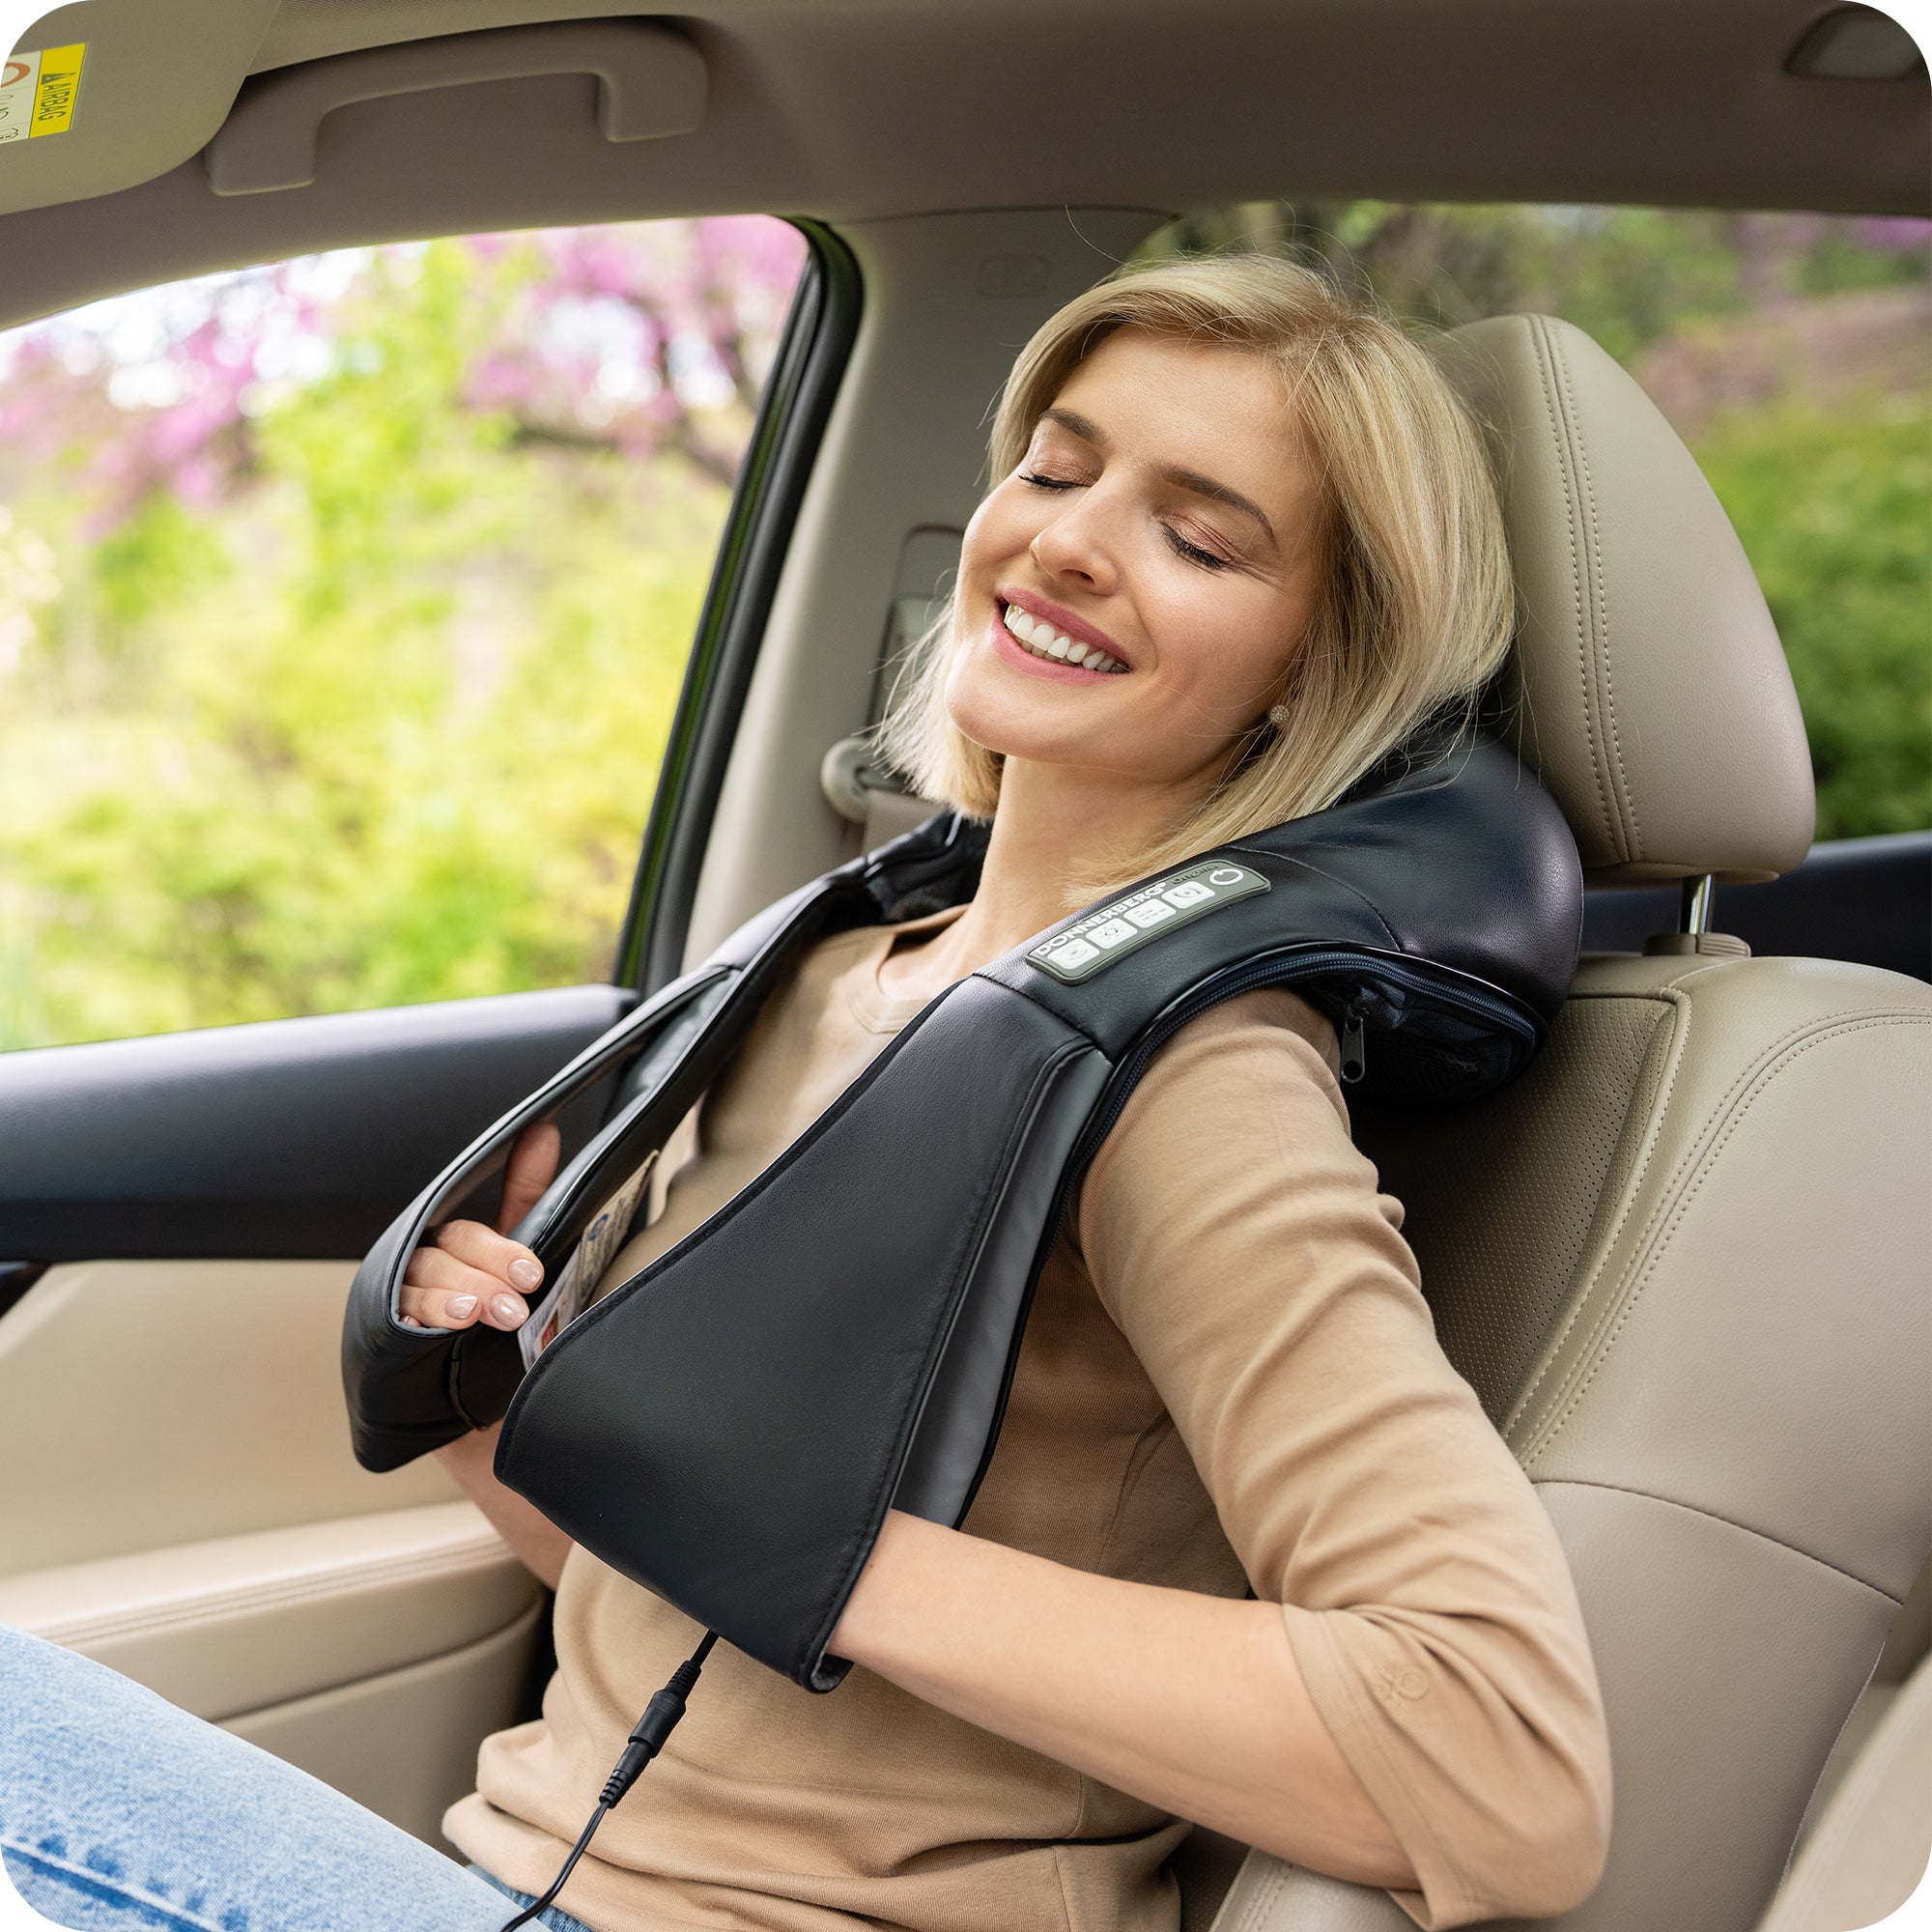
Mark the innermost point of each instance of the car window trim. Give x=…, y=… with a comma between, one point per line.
x=810, y=362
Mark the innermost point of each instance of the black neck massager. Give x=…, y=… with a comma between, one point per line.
x=729, y=1426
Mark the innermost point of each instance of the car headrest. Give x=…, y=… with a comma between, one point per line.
x=1650, y=690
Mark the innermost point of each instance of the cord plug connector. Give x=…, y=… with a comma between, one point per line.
x=661, y=1717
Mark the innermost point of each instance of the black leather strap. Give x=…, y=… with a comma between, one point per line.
x=729, y=1426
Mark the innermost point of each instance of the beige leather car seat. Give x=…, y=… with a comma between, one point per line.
x=1682, y=1260
x=1871, y=1841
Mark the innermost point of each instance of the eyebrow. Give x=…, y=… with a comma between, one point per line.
x=1190, y=480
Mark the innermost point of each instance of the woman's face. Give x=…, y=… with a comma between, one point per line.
x=1165, y=527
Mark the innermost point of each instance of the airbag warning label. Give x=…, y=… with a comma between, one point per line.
x=38, y=91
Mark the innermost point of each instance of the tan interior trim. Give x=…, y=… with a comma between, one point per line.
x=179, y=1402
x=651, y=83
x=1874, y=1841
x=232, y=1625
x=404, y=1744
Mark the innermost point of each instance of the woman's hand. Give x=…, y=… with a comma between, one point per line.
x=473, y=1273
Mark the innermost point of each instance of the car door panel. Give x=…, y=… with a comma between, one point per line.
x=374, y=1651
x=175, y=1402
x=404, y=1744
x=284, y=1139
x=242, y=1623
x=195, y=1516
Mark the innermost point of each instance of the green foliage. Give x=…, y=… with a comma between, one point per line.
x=385, y=729
x=1835, y=514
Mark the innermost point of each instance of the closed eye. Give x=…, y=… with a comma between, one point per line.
x=1041, y=482
x=1193, y=552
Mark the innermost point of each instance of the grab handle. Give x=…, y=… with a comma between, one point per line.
x=651, y=83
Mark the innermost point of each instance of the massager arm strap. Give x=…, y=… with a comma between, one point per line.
x=411, y=1390
x=729, y=1426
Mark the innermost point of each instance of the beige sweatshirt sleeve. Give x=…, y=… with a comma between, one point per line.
x=1235, y=1234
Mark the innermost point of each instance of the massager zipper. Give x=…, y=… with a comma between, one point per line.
x=1287, y=972
x=1354, y=1047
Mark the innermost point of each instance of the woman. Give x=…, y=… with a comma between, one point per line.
x=1242, y=540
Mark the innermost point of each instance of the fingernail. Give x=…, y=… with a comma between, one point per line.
x=525, y=1272
x=410, y=1322
x=508, y=1310
x=459, y=1307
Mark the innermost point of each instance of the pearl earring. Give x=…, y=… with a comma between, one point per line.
x=1278, y=716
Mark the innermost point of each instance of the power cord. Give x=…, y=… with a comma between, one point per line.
x=659, y=1719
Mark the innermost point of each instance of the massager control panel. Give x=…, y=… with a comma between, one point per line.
x=1092, y=944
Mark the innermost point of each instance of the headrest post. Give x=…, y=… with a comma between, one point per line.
x=1694, y=914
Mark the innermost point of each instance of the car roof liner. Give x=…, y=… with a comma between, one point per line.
x=875, y=109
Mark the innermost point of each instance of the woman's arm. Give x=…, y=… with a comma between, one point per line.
x=1192, y=1702
x=1411, y=1701
x=528, y=1532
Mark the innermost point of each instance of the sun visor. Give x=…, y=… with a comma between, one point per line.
x=103, y=94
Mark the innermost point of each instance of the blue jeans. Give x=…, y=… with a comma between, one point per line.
x=119, y=1813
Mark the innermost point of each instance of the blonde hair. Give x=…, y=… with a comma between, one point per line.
x=1417, y=609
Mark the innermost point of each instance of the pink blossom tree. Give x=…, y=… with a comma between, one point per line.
x=645, y=338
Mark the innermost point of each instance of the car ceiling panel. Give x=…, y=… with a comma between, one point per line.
x=875, y=107
x=962, y=104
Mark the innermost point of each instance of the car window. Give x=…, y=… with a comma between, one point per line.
x=1791, y=352
x=344, y=604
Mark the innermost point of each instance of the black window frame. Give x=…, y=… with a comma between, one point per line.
x=813, y=355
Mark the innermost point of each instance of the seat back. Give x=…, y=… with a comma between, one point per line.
x=1681, y=1259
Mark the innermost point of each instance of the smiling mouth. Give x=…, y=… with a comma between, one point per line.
x=1037, y=635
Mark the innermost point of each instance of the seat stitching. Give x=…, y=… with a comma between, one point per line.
x=1682, y=1206
x=1663, y=1208
x=1633, y=1192
x=1687, y=1160
x=1538, y=337
x=1255, y=1916
x=1627, y=811
x=1713, y=1516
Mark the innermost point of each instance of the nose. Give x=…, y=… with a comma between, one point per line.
x=1076, y=545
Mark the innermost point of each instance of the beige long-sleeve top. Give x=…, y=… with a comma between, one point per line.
x=1228, y=1380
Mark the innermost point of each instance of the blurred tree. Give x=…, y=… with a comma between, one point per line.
x=336, y=675
x=643, y=337
x=1835, y=513
x=1626, y=275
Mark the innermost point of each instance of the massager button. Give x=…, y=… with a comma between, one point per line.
x=1112, y=933
x=1150, y=912
x=1226, y=875
x=1075, y=953
x=1189, y=892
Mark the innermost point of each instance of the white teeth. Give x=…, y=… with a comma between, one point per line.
x=1039, y=638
